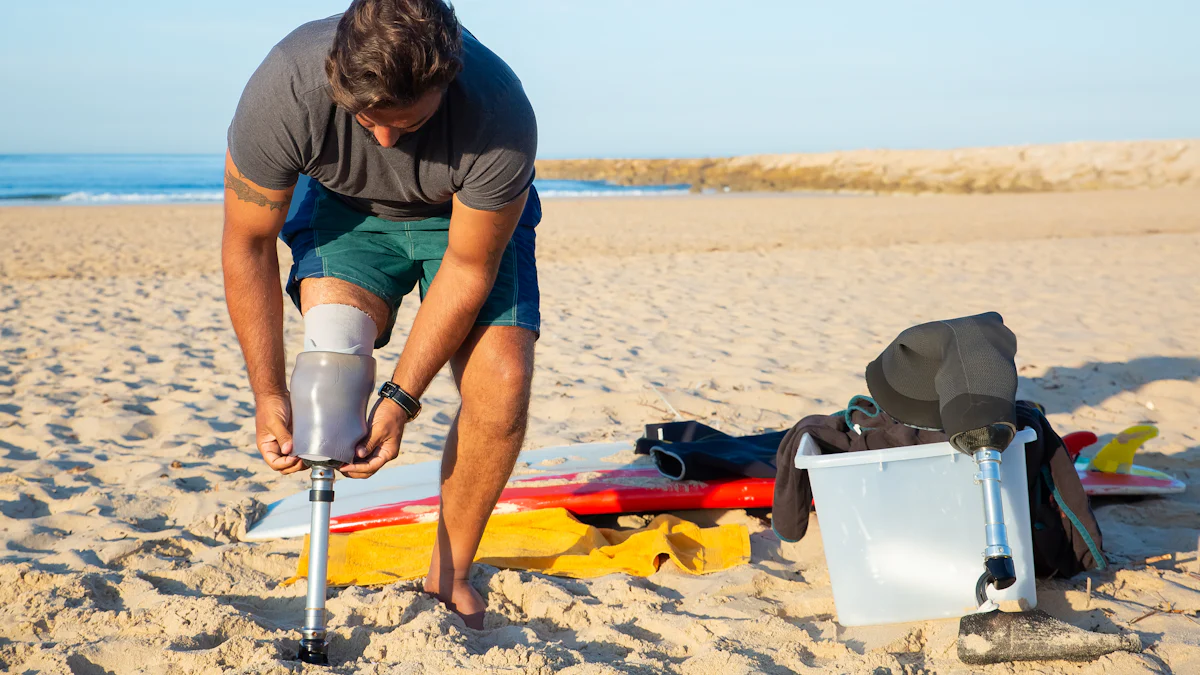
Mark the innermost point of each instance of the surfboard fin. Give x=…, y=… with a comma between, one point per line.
x=1076, y=441
x=1117, y=455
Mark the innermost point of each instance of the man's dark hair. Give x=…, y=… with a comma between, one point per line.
x=390, y=53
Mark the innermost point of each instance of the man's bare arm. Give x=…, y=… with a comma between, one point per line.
x=461, y=286
x=253, y=217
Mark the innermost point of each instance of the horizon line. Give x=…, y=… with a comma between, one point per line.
x=662, y=157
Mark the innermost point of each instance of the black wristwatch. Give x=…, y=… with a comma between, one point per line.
x=412, y=407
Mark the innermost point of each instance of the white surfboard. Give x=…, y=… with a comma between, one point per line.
x=587, y=479
x=290, y=516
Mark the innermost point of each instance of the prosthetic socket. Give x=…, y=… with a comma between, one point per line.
x=330, y=392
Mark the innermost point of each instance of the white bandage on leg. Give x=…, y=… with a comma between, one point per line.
x=339, y=328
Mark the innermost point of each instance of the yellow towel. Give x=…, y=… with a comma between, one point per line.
x=551, y=541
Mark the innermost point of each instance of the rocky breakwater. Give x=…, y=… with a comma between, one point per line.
x=1033, y=168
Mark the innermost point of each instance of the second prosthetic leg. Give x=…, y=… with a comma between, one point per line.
x=986, y=445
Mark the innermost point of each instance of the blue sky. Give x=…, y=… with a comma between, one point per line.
x=646, y=78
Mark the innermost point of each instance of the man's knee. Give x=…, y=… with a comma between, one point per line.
x=511, y=375
x=495, y=373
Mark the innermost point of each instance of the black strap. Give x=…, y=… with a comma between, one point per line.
x=320, y=495
x=392, y=391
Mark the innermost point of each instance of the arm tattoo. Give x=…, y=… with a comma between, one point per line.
x=248, y=194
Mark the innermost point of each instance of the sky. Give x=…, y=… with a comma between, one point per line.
x=646, y=78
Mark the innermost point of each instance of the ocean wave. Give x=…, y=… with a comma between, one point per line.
x=172, y=179
x=84, y=197
x=141, y=197
x=33, y=197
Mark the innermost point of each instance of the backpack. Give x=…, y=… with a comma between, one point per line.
x=1066, y=536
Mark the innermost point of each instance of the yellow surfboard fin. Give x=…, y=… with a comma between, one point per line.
x=1117, y=455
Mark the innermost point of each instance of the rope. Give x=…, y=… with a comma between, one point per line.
x=853, y=406
x=1101, y=563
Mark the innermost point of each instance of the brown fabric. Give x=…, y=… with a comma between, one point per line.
x=1066, y=479
x=1059, y=549
x=793, y=495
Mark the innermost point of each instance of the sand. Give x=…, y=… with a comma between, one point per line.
x=127, y=473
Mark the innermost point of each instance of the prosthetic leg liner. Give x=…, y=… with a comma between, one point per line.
x=339, y=328
x=330, y=392
x=956, y=375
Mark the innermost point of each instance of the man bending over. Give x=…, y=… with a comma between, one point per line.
x=419, y=143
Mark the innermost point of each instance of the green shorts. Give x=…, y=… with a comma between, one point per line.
x=389, y=258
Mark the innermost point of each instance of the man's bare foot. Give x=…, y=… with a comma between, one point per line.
x=462, y=599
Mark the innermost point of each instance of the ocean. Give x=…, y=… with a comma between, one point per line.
x=154, y=179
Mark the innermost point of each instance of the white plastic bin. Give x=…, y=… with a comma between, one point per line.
x=903, y=529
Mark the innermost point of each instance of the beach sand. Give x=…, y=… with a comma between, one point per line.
x=127, y=470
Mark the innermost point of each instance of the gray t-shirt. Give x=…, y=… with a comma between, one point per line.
x=480, y=144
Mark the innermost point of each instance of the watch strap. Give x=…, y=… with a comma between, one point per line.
x=411, y=406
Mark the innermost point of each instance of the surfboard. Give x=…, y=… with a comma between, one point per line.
x=1112, y=473
x=585, y=479
x=607, y=478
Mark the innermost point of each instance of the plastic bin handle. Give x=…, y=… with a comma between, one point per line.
x=809, y=448
x=1025, y=436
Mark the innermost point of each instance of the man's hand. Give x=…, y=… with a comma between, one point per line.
x=273, y=431
x=386, y=428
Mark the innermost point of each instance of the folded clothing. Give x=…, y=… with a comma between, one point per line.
x=694, y=451
x=550, y=541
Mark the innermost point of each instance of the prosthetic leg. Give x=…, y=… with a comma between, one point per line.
x=997, y=637
x=330, y=392
x=986, y=445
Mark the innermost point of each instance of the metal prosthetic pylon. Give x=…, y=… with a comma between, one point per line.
x=313, y=636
